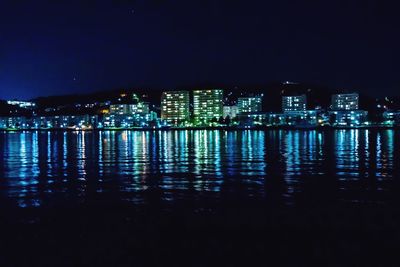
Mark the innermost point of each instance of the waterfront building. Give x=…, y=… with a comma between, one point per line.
x=118, y=121
x=80, y=122
x=126, y=121
x=3, y=123
x=65, y=122
x=306, y=118
x=140, y=108
x=175, y=107
x=231, y=111
x=140, y=112
x=253, y=119
x=302, y=118
x=153, y=116
x=14, y=123
x=120, y=109
x=136, y=114
x=276, y=119
x=294, y=103
x=348, y=118
x=88, y=121
x=391, y=117
x=345, y=101
x=250, y=104
x=207, y=105
x=323, y=118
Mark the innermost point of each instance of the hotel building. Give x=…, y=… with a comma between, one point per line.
x=207, y=105
x=175, y=107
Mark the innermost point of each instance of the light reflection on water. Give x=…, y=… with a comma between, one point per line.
x=283, y=166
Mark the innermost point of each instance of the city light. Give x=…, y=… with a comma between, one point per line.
x=205, y=108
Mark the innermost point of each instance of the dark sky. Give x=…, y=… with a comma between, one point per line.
x=51, y=47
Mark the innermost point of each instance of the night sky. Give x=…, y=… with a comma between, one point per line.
x=53, y=48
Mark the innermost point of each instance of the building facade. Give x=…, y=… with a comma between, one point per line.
x=302, y=118
x=175, y=107
x=231, y=111
x=345, y=101
x=348, y=118
x=207, y=105
x=294, y=103
x=391, y=117
x=51, y=122
x=120, y=109
x=138, y=114
x=250, y=104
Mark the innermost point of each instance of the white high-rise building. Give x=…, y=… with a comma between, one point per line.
x=294, y=103
x=207, y=104
x=345, y=101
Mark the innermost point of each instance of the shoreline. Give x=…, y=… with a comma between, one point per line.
x=229, y=128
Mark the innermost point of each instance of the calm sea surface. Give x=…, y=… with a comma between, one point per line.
x=200, y=198
x=276, y=167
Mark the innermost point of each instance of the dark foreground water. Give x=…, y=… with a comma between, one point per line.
x=200, y=198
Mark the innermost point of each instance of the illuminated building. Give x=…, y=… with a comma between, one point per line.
x=294, y=103
x=250, y=104
x=299, y=119
x=22, y=104
x=348, y=118
x=141, y=108
x=175, y=107
x=14, y=123
x=345, y=101
x=3, y=123
x=276, y=119
x=345, y=111
x=135, y=113
x=231, y=111
x=253, y=119
x=302, y=118
x=391, y=117
x=207, y=105
x=120, y=109
x=51, y=122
